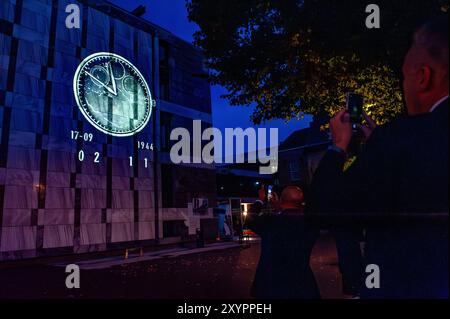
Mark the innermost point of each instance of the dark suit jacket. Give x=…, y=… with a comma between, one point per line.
x=398, y=188
x=283, y=270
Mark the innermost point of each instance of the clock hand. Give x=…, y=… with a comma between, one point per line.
x=113, y=80
x=101, y=83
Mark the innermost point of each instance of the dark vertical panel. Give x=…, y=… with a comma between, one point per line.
x=46, y=124
x=42, y=179
x=7, y=110
x=18, y=11
x=104, y=215
x=135, y=149
x=2, y=199
x=5, y=136
x=80, y=144
x=6, y=27
x=2, y=97
x=34, y=216
x=155, y=152
x=109, y=142
x=10, y=81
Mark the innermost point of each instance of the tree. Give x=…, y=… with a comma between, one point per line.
x=292, y=57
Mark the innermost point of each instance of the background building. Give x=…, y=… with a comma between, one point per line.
x=53, y=203
x=300, y=154
x=241, y=180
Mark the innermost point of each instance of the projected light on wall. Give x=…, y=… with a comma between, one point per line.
x=112, y=94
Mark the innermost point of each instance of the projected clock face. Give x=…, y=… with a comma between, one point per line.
x=112, y=94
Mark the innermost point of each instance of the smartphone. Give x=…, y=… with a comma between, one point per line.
x=355, y=108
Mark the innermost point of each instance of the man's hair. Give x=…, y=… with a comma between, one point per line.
x=433, y=35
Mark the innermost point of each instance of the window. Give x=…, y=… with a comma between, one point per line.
x=165, y=127
x=167, y=186
x=164, y=74
x=294, y=170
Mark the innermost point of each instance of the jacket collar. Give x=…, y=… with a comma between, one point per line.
x=442, y=106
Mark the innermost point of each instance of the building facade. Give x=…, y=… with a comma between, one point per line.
x=241, y=180
x=300, y=154
x=65, y=186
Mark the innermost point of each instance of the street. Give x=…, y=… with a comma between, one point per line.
x=221, y=274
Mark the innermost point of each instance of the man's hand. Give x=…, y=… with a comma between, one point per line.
x=341, y=129
x=275, y=202
x=369, y=127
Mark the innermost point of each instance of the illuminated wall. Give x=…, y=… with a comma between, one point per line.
x=66, y=187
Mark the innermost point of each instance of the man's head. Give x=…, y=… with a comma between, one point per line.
x=425, y=68
x=291, y=198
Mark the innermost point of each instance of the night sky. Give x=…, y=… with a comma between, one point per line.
x=172, y=15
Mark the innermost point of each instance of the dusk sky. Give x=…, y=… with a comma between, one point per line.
x=172, y=15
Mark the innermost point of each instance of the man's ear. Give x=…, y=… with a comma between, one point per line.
x=425, y=78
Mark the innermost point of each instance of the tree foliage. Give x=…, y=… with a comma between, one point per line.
x=292, y=57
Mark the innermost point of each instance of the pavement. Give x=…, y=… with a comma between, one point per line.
x=107, y=262
x=217, y=271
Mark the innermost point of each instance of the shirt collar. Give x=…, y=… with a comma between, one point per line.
x=437, y=103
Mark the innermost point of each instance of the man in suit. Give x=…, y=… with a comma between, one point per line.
x=287, y=240
x=398, y=186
